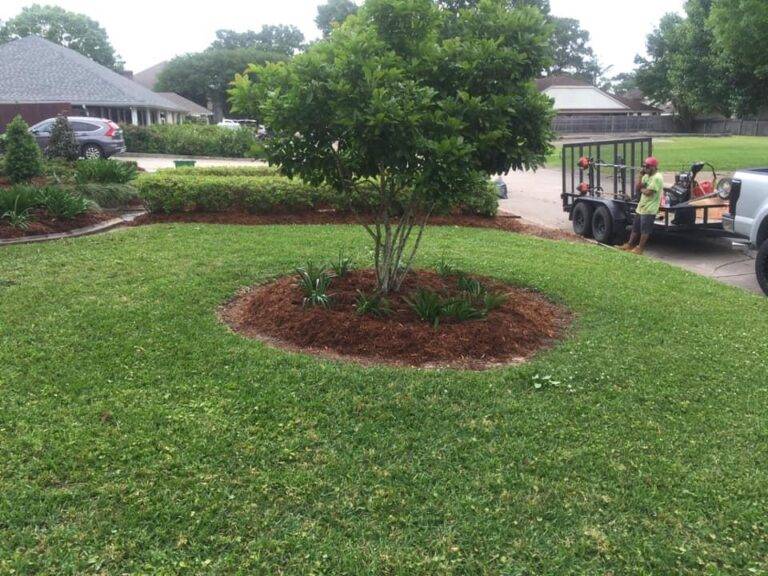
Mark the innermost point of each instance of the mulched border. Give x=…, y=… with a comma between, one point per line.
x=273, y=313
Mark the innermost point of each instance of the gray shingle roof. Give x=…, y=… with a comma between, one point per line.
x=34, y=70
x=192, y=107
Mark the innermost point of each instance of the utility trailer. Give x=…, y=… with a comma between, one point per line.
x=600, y=192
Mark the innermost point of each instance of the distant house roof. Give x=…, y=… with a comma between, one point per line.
x=34, y=70
x=192, y=107
x=575, y=96
x=148, y=77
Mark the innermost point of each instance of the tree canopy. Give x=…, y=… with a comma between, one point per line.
x=279, y=38
x=741, y=31
x=572, y=53
x=712, y=60
x=412, y=105
x=333, y=13
x=207, y=75
x=70, y=29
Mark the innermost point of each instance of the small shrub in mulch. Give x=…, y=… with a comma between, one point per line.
x=402, y=330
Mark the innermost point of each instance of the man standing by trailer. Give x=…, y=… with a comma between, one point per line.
x=651, y=188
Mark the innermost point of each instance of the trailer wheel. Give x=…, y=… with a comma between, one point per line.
x=582, y=219
x=761, y=267
x=602, y=226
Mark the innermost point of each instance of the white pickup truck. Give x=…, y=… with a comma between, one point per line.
x=748, y=215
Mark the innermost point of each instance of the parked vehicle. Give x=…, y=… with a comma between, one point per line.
x=600, y=196
x=97, y=137
x=748, y=216
x=230, y=124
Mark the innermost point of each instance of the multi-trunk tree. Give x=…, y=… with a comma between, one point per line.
x=412, y=103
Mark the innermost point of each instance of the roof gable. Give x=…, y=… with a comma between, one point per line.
x=583, y=98
x=36, y=70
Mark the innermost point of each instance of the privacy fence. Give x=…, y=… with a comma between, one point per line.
x=587, y=124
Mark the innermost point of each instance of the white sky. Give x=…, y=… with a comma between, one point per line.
x=146, y=32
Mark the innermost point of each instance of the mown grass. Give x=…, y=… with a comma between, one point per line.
x=726, y=154
x=138, y=435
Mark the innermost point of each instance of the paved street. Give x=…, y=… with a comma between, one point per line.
x=536, y=197
x=155, y=162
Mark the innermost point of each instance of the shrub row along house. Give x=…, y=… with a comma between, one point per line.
x=40, y=79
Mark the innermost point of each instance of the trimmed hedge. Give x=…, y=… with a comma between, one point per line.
x=190, y=140
x=263, y=192
x=223, y=171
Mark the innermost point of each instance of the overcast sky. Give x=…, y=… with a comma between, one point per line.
x=146, y=32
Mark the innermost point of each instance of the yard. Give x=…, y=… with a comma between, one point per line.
x=727, y=154
x=139, y=435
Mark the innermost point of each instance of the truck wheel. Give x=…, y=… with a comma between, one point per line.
x=582, y=219
x=602, y=226
x=761, y=266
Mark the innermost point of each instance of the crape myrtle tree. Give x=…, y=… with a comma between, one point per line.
x=413, y=103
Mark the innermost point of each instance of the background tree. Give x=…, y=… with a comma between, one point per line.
x=207, y=75
x=621, y=84
x=683, y=65
x=75, y=31
x=22, y=154
x=62, y=143
x=572, y=53
x=412, y=105
x=333, y=13
x=282, y=39
x=741, y=31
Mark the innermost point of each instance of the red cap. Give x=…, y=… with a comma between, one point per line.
x=651, y=162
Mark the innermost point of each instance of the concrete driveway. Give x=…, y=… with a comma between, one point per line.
x=536, y=197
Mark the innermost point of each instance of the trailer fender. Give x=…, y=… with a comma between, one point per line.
x=619, y=216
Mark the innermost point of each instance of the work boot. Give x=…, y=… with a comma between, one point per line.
x=625, y=247
x=639, y=251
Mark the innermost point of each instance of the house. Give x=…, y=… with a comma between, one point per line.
x=148, y=77
x=193, y=109
x=40, y=79
x=574, y=97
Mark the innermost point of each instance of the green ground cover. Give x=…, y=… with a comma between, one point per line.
x=727, y=154
x=138, y=435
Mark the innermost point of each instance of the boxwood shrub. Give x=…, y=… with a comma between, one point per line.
x=260, y=170
x=261, y=191
x=190, y=139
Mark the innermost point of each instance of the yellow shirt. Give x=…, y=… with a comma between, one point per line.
x=651, y=203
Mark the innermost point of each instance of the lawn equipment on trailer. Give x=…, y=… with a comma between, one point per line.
x=600, y=191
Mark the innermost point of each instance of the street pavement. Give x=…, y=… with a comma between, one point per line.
x=155, y=162
x=535, y=196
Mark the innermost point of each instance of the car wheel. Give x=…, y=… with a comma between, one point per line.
x=92, y=152
x=761, y=267
x=602, y=226
x=582, y=219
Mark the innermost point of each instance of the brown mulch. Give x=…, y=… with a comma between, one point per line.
x=526, y=323
x=503, y=221
x=40, y=223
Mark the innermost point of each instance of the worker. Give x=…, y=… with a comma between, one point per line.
x=651, y=187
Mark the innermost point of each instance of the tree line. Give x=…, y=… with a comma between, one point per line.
x=712, y=60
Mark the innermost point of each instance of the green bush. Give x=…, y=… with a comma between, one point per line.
x=223, y=171
x=105, y=171
x=168, y=191
x=110, y=195
x=189, y=139
x=62, y=143
x=61, y=203
x=21, y=197
x=23, y=160
x=483, y=200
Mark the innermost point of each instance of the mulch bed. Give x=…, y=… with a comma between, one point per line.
x=274, y=313
x=40, y=223
x=505, y=222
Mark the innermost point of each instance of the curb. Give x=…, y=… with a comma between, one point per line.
x=87, y=231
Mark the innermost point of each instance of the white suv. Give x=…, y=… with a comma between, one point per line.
x=748, y=215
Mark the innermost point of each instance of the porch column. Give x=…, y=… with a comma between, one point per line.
x=148, y=116
x=134, y=117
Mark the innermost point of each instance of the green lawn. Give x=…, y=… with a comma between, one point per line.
x=138, y=435
x=726, y=154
